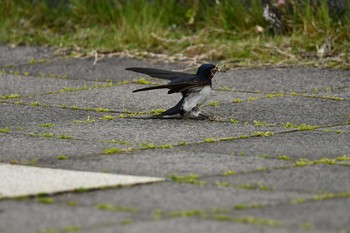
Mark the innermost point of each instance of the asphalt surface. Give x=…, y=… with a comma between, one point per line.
x=275, y=158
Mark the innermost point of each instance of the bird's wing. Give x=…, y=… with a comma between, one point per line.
x=176, y=87
x=162, y=74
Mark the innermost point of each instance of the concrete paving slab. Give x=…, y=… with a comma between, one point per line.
x=105, y=69
x=312, y=145
x=170, y=197
x=289, y=79
x=164, y=162
x=16, y=115
x=315, y=216
x=33, y=216
x=192, y=225
x=155, y=131
x=297, y=110
x=120, y=98
x=116, y=98
x=29, y=85
x=344, y=129
x=342, y=92
x=266, y=162
x=25, y=180
x=22, y=149
x=308, y=179
x=22, y=54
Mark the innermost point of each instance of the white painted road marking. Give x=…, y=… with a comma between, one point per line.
x=18, y=180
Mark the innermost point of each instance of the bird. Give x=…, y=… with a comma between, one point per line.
x=195, y=88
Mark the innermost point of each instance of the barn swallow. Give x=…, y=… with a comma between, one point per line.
x=195, y=88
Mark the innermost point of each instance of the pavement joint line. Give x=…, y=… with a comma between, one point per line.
x=26, y=181
x=128, y=82
x=135, y=149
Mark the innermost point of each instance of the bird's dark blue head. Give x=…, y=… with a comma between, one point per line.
x=206, y=71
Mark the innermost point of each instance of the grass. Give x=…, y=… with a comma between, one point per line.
x=210, y=30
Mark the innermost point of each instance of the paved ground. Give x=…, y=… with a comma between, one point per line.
x=277, y=160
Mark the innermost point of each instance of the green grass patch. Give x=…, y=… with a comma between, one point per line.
x=213, y=30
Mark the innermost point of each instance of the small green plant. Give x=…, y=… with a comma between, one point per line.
x=301, y=127
x=47, y=125
x=188, y=213
x=4, y=130
x=10, y=96
x=71, y=228
x=72, y=203
x=209, y=140
x=189, y=179
x=262, y=123
x=284, y=157
x=262, y=134
x=229, y=173
x=45, y=200
x=34, y=104
x=142, y=81
x=234, y=121
x=214, y=103
x=126, y=222
x=112, y=150
x=107, y=117
x=253, y=98
x=237, y=100
x=102, y=110
x=61, y=157
x=109, y=207
x=307, y=226
x=88, y=120
x=223, y=88
x=146, y=145
x=62, y=136
x=274, y=95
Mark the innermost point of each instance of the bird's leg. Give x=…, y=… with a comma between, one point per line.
x=198, y=114
x=204, y=114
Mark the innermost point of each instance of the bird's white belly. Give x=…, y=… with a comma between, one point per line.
x=196, y=99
